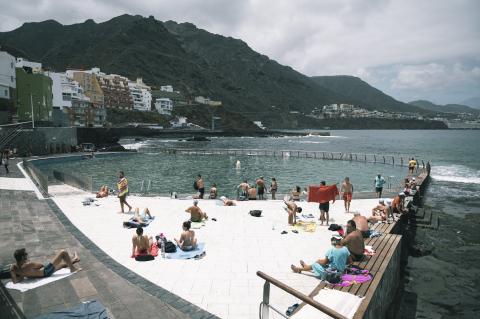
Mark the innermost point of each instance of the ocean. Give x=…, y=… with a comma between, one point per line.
x=442, y=275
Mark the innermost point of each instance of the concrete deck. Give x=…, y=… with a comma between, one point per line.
x=224, y=282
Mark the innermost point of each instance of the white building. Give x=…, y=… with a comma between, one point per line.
x=202, y=100
x=164, y=106
x=35, y=66
x=141, y=95
x=65, y=90
x=8, y=79
x=166, y=88
x=180, y=121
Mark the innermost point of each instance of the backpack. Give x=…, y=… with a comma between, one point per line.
x=170, y=247
x=334, y=227
x=256, y=213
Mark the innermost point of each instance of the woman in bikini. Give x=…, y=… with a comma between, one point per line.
x=141, y=243
x=187, y=239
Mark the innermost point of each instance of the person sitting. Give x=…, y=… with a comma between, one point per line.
x=252, y=193
x=362, y=224
x=354, y=241
x=228, y=202
x=196, y=214
x=398, y=204
x=296, y=192
x=141, y=244
x=103, y=192
x=379, y=212
x=141, y=217
x=187, y=239
x=242, y=190
x=23, y=268
x=292, y=210
x=213, y=191
x=336, y=257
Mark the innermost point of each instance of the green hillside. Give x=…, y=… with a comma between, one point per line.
x=448, y=108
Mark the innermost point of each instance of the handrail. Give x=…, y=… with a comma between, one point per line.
x=308, y=300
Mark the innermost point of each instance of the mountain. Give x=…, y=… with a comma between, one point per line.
x=472, y=102
x=363, y=94
x=448, y=108
x=195, y=62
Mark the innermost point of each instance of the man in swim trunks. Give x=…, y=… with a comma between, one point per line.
x=292, y=210
x=362, y=224
x=29, y=269
x=411, y=165
x=378, y=183
x=260, y=187
x=354, y=241
x=252, y=193
x=141, y=244
x=324, y=208
x=379, y=212
x=273, y=187
x=196, y=214
x=347, y=190
x=122, y=185
x=201, y=186
x=398, y=203
x=242, y=190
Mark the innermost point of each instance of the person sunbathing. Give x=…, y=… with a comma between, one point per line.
x=379, y=212
x=228, y=202
x=354, y=241
x=187, y=239
x=337, y=257
x=143, y=216
x=292, y=210
x=196, y=214
x=103, y=192
x=23, y=268
x=362, y=224
x=141, y=244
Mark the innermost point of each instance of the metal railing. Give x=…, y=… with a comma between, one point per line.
x=39, y=178
x=265, y=304
x=394, y=160
x=82, y=182
x=11, y=132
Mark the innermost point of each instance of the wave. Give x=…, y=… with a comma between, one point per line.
x=311, y=142
x=456, y=174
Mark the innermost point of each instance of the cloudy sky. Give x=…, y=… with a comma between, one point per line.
x=410, y=49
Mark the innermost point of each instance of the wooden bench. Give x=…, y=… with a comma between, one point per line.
x=384, y=247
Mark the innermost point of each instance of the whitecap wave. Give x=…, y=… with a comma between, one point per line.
x=456, y=174
x=133, y=146
x=311, y=142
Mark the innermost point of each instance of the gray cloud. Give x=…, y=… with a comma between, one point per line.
x=396, y=45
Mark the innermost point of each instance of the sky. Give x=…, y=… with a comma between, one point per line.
x=410, y=49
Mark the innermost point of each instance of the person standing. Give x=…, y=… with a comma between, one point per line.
x=213, y=191
x=122, y=186
x=347, y=190
x=5, y=159
x=201, y=186
x=260, y=187
x=273, y=187
x=411, y=165
x=378, y=183
x=324, y=206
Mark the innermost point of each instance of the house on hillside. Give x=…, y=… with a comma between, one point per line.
x=164, y=106
x=179, y=122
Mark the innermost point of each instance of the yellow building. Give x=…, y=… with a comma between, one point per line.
x=91, y=86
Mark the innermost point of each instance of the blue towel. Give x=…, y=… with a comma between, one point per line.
x=180, y=254
x=133, y=224
x=87, y=310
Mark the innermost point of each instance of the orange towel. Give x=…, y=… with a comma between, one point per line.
x=322, y=194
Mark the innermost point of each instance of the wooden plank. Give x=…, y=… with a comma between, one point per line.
x=375, y=282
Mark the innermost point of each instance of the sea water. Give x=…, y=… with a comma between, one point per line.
x=441, y=280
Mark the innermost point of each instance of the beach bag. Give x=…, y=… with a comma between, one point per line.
x=334, y=227
x=256, y=213
x=332, y=275
x=170, y=247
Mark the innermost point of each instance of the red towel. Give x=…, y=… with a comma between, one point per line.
x=153, y=251
x=322, y=194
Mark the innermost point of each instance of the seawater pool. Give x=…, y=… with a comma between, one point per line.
x=167, y=172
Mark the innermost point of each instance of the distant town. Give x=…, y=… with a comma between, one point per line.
x=81, y=98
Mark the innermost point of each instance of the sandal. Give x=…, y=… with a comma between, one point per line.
x=284, y=232
x=295, y=231
x=291, y=309
x=295, y=269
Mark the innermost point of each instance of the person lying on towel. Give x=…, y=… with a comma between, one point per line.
x=141, y=244
x=103, y=192
x=336, y=258
x=187, y=239
x=141, y=217
x=24, y=268
x=228, y=202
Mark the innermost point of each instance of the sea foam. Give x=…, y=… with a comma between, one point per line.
x=456, y=174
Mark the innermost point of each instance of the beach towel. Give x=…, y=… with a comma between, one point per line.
x=133, y=224
x=305, y=226
x=368, y=251
x=28, y=284
x=86, y=310
x=350, y=279
x=322, y=194
x=146, y=256
x=180, y=254
x=197, y=225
